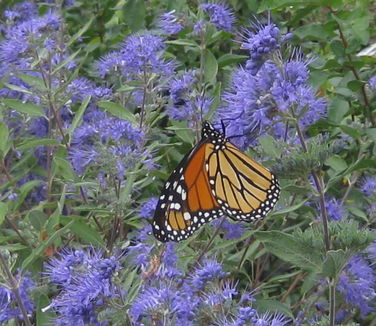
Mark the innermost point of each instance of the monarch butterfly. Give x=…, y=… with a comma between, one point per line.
x=214, y=179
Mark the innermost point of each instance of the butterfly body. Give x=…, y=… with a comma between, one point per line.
x=214, y=179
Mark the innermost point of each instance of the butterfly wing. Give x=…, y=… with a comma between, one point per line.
x=244, y=188
x=186, y=201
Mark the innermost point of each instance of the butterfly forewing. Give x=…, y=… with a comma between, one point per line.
x=186, y=202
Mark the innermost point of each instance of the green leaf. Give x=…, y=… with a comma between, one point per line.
x=28, y=108
x=3, y=211
x=337, y=163
x=287, y=248
x=37, y=219
x=335, y=262
x=338, y=108
x=64, y=168
x=117, y=110
x=33, y=142
x=34, y=81
x=84, y=231
x=78, y=115
x=289, y=209
x=134, y=14
x=263, y=306
x=229, y=59
x=4, y=140
x=38, y=252
x=210, y=66
x=80, y=32
x=184, y=42
x=313, y=31
x=65, y=62
x=43, y=315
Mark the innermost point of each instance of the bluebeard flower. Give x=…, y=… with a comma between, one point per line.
x=229, y=291
x=199, y=27
x=369, y=186
x=231, y=230
x=148, y=208
x=151, y=300
x=371, y=251
x=245, y=315
x=139, y=54
x=85, y=280
x=169, y=260
x=21, y=11
x=8, y=304
x=372, y=83
x=220, y=15
x=335, y=210
x=65, y=3
x=169, y=23
x=357, y=283
x=261, y=43
x=209, y=271
x=82, y=87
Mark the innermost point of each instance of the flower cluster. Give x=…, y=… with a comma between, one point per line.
x=258, y=100
x=85, y=282
x=202, y=293
x=220, y=15
x=358, y=283
x=105, y=141
x=9, y=308
x=169, y=23
x=185, y=103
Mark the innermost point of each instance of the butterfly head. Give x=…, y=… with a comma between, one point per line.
x=208, y=131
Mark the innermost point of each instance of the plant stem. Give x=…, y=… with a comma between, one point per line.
x=325, y=221
x=15, y=289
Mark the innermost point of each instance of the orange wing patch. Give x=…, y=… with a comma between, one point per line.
x=199, y=193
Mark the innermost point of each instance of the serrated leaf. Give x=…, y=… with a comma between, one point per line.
x=27, y=108
x=117, y=110
x=287, y=248
x=210, y=66
x=34, y=142
x=334, y=263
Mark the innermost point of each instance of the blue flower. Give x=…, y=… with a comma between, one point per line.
x=169, y=23
x=369, y=186
x=9, y=308
x=232, y=230
x=357, y=283
x=372, y=83
x=220, y=15
x=261, y=43
x=209, y=271
x=148, y=208
x=86, y=284
x=335, y=210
